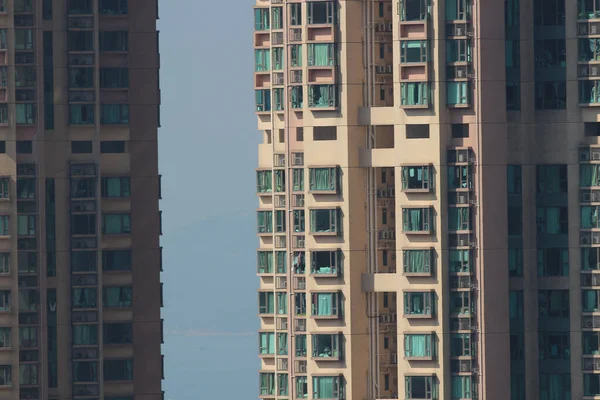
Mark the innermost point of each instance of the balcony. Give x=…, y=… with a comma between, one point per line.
x=417, y=179
x=588, y=28
x=326, y=347
x=326, y=263
x=418, y=305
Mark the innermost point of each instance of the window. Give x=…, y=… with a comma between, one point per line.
x=460, y=131
x=416, y=178
x=322, y=54
x=113, y=41
x=28, y=300
x=550, y=53
x=514, y=179
x=420, y=387
x=264, y=181
x=81, y=78
x=26, y=188
x=555, y=385
x=5, y=342
x=118, y=332
x=263, y=100
x=4, y=228
x=419, y=346
x=325, y=221
x=413, y=10
x=553, y=262
x=114, y=114
x=24, y=147
x=589, y=175
x=3, y=115
x=460, y=303
x=23, y=6
x=590, y=343
x=83, y=187
x=266, y=303
x=84, y=298
x=26, y=225
x=81, y=147
x=515, y=262
x=4, y=188
x=267, y=383
x=298, y=216
x=27, y=263
x=551, y=178
x=115, y=224
x=83, y=261
x=327, y=387
x=418, y=304
x=117, y=296
x=591, y=384
x=326, y=262
x=295, y=14
x=414, y=93
x=515, y=305
x=417, y=219
x=25, y=77
x=458, y=51
x=85, y=334
x=458, y=93
x=326, y=304
x=282, y=384
x=458, y=10
x=462, y=387
x=321, y=12
x=589, y=217
x=25, y=115
x=553, y=303
x=590, y=258
x=297, y=180
x=461, y=345
x=326, y=346
x=115, y=186
x=266, y=343
x=262, y=60
x=262, y=21
x=590, y=300
x=47, y=9
x=414, y=51
x=300, y=345
x=459, y=219
x=81, y=40
x=277, y=59
x=118, y=370
x=277, y=18
x=264, y=221
x=116, y=260
x=552, y=220
x=279, y=181
x=4, y=264
x=28, y=374
x=515, y=221
x=324, y=133
x=23, y=39
x=513, y=95
x=28, y=337
x=517, y=346
x=323, y=179
x=554, y=346
x=114, y=78
x=112, y=146
x=551, y=95
x=280, y=221
x=297, y=96
x=85, y=371
x=76, y=7
x=113, y=7
x=417, y=261
x=322, y=96
x=296, y=55
x=281, y=300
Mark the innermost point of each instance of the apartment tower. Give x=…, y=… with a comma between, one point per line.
x=429, y=199
x=80, y=291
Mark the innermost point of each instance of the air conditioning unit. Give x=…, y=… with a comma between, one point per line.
x=79, y=318
x=462, y=242
x=78, y=245
x=585, y=240
x=384, y=318
x=380, y=69
x=473, y=202
x=460, y=73
x=78, y=171
x=393, y=235
x=459, y=31
x=596, y=240
x=595, y=156
x=594, y=71
x=381, y=27
x=462, y=199
x=472, y=160
x=385, y=235
x=78, y=207
x=382, y=193
x=593, y=29
x=394, y=358
x=589, y=323
x=300, y=243
x=390, y=69
x=461, y=157
x=302, y=368
x=392, y=192
x=393, y=317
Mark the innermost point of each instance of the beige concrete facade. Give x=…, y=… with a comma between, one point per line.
x=379, y=134
x=90, y=202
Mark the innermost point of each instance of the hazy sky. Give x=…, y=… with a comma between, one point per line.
x=207, y=158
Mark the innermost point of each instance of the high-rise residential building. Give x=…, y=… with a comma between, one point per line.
x=429, y=199
x=80, y=291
